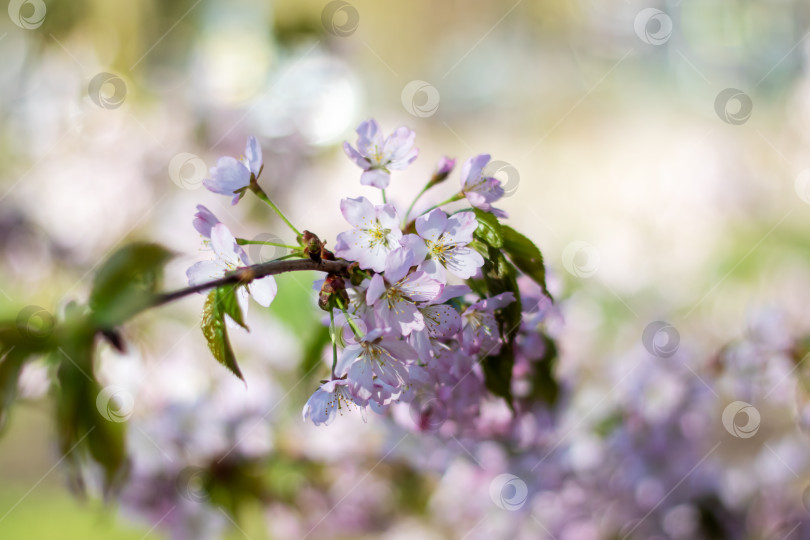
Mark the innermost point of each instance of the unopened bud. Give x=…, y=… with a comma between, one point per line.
x=443, y=169
x=313, y=245
x=333, y=293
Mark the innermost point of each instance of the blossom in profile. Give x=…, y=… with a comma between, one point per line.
x=378, y=155
x=232, y=176
x=480, y=190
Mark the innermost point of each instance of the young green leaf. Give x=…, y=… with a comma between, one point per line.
x=230, y=304
x=126, y=282
x=216, y=333
x=489, y=229
x=525, y=255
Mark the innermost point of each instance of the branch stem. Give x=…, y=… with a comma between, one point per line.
x=255, y=188
x=247, y=274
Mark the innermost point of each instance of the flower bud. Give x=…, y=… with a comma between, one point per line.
x=313, y=245
x=443, y=169
x=333, y=293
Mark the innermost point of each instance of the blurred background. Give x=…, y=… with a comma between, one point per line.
x=654, y=151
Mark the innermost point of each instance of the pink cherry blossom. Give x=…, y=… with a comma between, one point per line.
x=446, y=241
x=231, y=175
x=395, y=303
x=332, y=398
x=375, y=234
x=378, y=357
x=479, y=330
x=479, y=189
x=378, y=156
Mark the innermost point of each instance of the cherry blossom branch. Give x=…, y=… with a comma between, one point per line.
x=249, y=273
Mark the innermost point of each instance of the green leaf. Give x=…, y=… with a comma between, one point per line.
x=11, y=363
x=545, y=386
x=230, y=304
x=525, y=255
x=83, y=416
x=501, y=276
x=489, y=229
x=498, y=373
x=216, y=333
x=126, y=282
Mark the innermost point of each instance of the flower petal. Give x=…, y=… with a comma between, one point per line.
x=430, y=226
x=224, y=245
x=204, y=219
x=356, y=156
x=358, y=212
x=229, y=175
x=379, y=178
x=253, y=154
x=263, y=290
x=203, y=271
x=460, y=227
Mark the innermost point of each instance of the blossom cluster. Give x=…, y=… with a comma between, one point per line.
x=422, y=301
